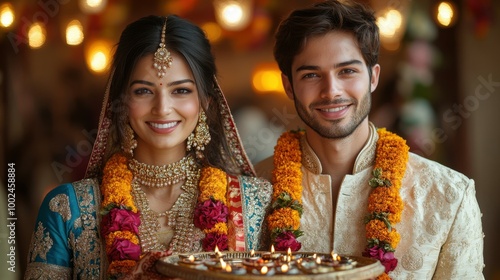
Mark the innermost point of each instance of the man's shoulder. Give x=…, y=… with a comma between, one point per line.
x=265, y=167
x=424, y=169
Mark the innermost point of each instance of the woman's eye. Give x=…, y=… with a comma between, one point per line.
x=182, y=91
x=141, y=91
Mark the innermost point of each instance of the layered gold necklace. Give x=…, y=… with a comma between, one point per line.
x=179, y=217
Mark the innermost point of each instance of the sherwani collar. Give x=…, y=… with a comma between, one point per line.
x=365, y=158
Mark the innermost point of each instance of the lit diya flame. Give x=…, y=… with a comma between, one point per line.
x=252, y=253
x=318, y=260
x=223, y=264
x=289, y=252
x=263, y=270
x=217, y=253
x=272, y=249
x=191, y=258
x=335, y=257
x=284, y=268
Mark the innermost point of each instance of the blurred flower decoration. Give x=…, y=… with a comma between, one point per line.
x=482, y=16
x=415, y=82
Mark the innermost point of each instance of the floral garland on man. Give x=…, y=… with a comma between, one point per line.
x=384, y=202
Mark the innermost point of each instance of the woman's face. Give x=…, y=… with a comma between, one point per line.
x=162, y=111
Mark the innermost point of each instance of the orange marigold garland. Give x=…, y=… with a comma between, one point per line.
x=284, y=220
x=121, y=220
x=211, y=212
x=384, y=203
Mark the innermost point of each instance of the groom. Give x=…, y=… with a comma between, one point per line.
x=347, y=186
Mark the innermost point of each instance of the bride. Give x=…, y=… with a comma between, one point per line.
x=167, y=174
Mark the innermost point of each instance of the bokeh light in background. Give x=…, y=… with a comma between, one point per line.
x=233, y=15
x=6, y=15
x=92, y=6
x=213, y=31
x=97, y=56
x=266, y=78
x=36, y=35
x=74, y=33
x=445, y=14
x=390, y=24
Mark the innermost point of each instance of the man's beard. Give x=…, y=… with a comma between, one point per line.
x=333, y=130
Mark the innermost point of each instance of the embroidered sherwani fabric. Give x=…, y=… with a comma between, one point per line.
x=441, y=231
x=66, y=242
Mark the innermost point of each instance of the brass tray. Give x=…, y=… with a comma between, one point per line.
x=366, y=268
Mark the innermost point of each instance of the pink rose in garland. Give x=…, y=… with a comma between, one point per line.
x=213, y=239
x=123, y=249
x=287, y=240
x=210, y=212
x=387, y=259
x=120, y=220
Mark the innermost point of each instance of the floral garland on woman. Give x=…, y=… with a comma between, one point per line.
x=384, y=202
x=121, y=218
x=211, y=212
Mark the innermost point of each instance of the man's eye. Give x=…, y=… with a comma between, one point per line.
x=310, y=75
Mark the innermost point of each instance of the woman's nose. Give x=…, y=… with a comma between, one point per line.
x=163, y=104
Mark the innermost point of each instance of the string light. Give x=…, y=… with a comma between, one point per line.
x=92, y=6
x=74, y=33
x=390, y=23
x=36, y=35
x=233, y=15
x=445, y=14
x=6, y=15
x=97, y=56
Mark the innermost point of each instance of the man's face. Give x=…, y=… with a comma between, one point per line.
x=331, y=85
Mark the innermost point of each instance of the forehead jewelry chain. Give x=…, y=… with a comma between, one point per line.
x=162, y=59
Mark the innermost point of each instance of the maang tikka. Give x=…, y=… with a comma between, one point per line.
x=162, y=59
x=200, y=137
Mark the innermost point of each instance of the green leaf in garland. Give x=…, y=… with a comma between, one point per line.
x=278, y=231
x=384, y=245
x=377, y=180
x=285, y=200
x=382, y=216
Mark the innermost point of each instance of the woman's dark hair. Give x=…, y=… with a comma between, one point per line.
x=141, y=38
x=322, y=18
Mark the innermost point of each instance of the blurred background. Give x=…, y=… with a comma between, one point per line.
x=439, y=88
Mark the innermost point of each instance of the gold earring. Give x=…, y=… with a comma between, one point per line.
x=129, y=143
x=200, y=137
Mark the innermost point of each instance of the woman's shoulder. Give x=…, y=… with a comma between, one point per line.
x=68, y=197
x=71, y=189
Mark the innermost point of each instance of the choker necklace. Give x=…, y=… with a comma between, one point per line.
x=160, y=176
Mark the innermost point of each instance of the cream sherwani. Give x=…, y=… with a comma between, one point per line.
x=441, y=232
